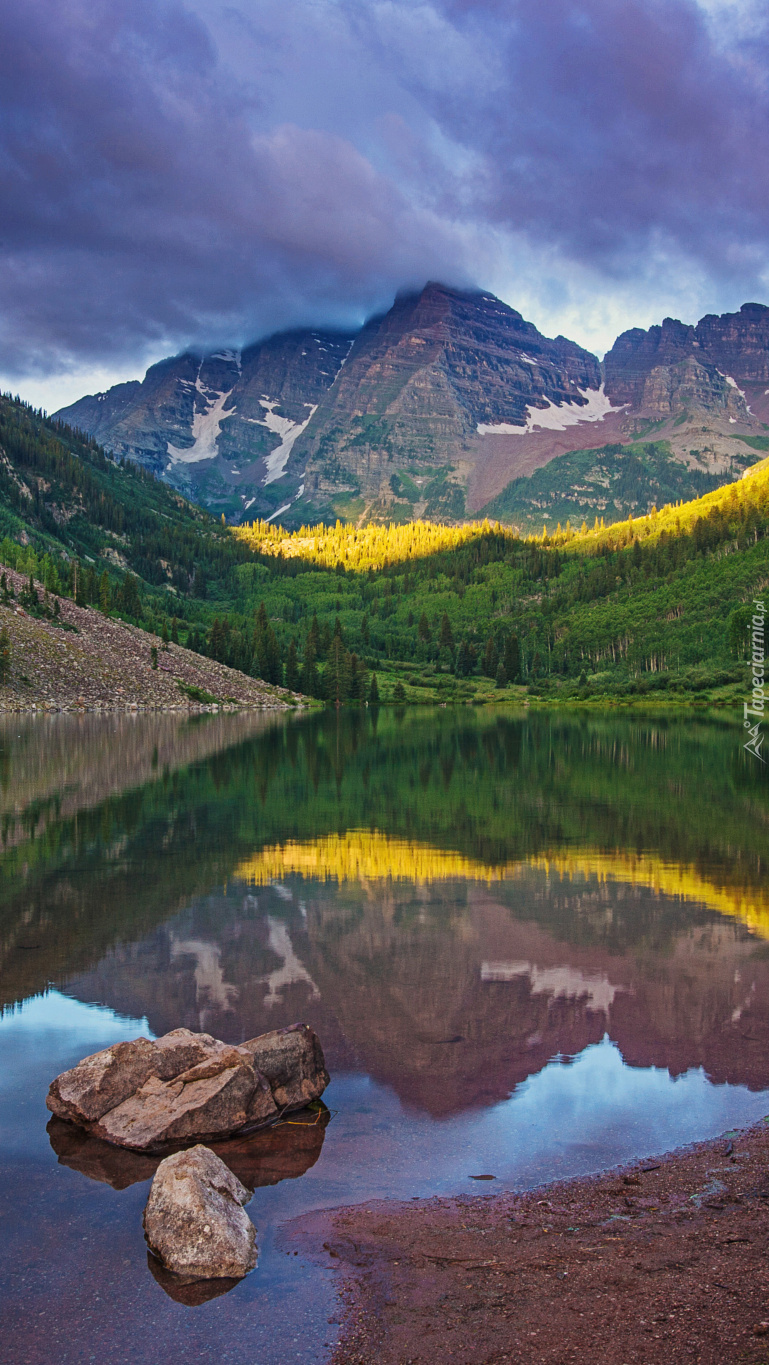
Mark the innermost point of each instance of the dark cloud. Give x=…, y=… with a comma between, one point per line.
x=615, y=126
x=174, y=173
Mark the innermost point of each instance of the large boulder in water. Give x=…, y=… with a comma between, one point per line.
x=186, y=1086
x=194, y=1219
x=292, y=1061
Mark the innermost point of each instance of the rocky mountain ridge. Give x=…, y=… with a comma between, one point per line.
x=431, y=409
x=218, y=427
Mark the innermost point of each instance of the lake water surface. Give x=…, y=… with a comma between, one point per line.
x=532, y=946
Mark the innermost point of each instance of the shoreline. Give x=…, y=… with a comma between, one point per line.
x=658, y=1261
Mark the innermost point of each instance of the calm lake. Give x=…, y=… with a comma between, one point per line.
x=532, y=945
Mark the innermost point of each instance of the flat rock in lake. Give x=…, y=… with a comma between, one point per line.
x=194, y=1220
x=186, y=1086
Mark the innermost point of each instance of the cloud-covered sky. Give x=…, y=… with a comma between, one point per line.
x=192, y=172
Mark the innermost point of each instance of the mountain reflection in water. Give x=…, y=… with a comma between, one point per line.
x=531, y=945
x=450, y=900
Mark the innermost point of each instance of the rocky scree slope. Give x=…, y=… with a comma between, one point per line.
x=92, y=662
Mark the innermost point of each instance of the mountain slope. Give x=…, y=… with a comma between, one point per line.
x=85, y=660
x=611, y=483
x=60, y=493
x=435, y=408
x=218, y=427
x=398, y=432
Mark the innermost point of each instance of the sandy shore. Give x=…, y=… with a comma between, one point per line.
x=662, y=1261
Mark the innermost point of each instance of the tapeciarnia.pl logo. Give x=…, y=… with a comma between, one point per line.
x=754, y=709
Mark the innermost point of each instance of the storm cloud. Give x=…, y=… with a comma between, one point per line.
x=190, y=173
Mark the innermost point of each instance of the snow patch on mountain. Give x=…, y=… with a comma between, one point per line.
x=557, y=416
x=289, y=431
x=206, y=425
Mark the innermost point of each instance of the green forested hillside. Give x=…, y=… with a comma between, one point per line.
x=657, y=606
x=61, y=493
x=610, y=482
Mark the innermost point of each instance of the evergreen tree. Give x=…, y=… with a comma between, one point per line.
x=490, y=658
x=336, y=676
x=175, y=631
x=373, y=692
x=465, y=660
x=78, y=584
x=310, y=680
x=130, y=599
x=216, y=641
x=292, y=678
x=313, y=637
x=446, y=638
x=104, y=593
x=512, y=658
x=267, y=661
x=399, y=693
x=28, y=596
x=51, y=576
x=423, y=629
x=357, y=690
x=501, y=678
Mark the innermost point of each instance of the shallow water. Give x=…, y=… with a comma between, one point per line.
x=532, y=946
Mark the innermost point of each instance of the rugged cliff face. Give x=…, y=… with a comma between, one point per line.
x=399, y=428
x=711, y=367
x=433, y=409
x=219, y=427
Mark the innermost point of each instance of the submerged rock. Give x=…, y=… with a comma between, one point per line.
x=188, y=1086
x=194, y=1221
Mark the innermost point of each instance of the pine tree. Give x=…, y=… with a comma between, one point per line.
x=423, y=629
x=292, y=668
x=336, y=676
x=399, y=693
x=501, y=677
x=175, y=631
x=357, y=691
x=267, y=661
x=104, y=593
x=310, y=680
x=373, y=692
x=490, y=658
x=216, y=641
x=446, y=638
x=512, y=658
x=130, y=601
x=465, y=660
